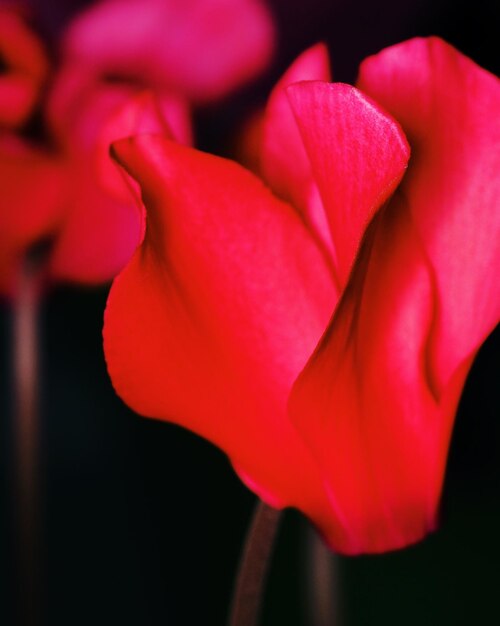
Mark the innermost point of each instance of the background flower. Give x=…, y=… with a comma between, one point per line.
x=110, y=54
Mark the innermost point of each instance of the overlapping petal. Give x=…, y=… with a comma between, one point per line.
x=284, y=163
x=376, y=402
x=218, y=311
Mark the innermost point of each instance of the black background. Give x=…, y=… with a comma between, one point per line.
x=144, y=521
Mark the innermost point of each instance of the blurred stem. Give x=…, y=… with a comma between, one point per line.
x=254, y=565
x=26, y=433
x=322, y=582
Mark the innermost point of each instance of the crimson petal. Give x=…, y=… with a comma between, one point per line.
x=219, y=309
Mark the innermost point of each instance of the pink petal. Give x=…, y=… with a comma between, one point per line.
x=100, y=232
x=201, y=48
x=284, y=163
x=448, y=107
x=31, y=204
x=358, y=155
x=103, y=226
x=144, y=113
x=26, y=68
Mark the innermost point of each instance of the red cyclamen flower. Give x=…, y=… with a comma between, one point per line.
x=323, y=339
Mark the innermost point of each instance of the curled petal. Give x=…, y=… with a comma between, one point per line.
x=144, y=113
x=217, y=312
x=100, y=232
x=103, y=225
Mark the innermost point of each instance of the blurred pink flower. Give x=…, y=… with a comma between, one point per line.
x=200, y=49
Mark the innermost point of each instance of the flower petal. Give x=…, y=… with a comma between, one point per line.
x=103, y=226
x=217, y=312
x=201, y=48
x=448, y=106
x=144, y=113
x=26, y=68
x=100, y=232
x=31, y=204
x=284, y=163
x=358, y=155
x=377, y=401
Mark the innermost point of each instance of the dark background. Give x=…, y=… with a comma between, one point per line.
x=143, y=521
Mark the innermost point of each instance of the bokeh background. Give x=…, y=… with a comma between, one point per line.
x=143, y=522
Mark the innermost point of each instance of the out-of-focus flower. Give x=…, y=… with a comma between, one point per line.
x=23, y=68
x=58, y=183
x=100, y=229
x=111, y=54
x=378, y=284
x=31, y=179
x=200, y=49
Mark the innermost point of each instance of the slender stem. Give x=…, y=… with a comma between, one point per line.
x=254, y=565
x=26, y=432
x=322, y=582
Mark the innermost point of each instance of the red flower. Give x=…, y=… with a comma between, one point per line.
x=378, y=285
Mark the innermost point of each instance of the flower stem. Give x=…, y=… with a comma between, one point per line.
x=254, y=565
x=26, y=433
x=321, y=582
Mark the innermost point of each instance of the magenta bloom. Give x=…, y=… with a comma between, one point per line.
x=200, y=49
x=320, y=331
x=114, y=56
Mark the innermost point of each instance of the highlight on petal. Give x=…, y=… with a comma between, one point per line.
x=144, y=113
x=25, y=68
x=284, y=163
x=448, y=106
x=358, y=155
x=377, y=400
x=201, y=49
x=31, y=205
x=219, y=309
